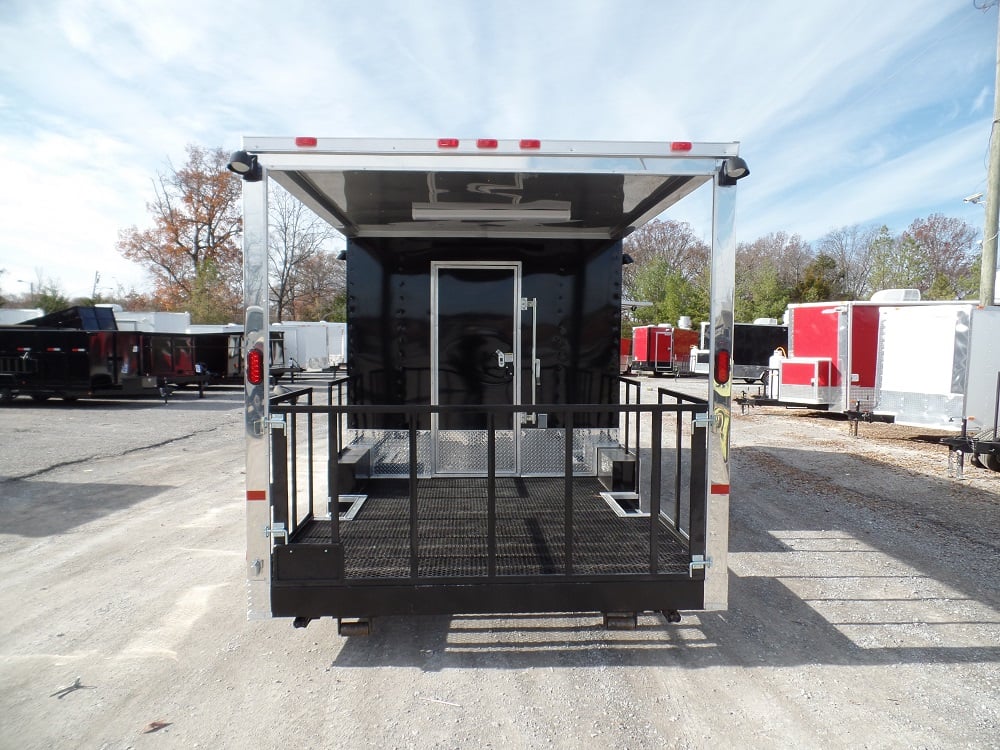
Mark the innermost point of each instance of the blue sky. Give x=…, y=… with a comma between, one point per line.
x=848, y=111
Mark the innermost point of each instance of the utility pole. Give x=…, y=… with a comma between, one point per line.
x=988, y=274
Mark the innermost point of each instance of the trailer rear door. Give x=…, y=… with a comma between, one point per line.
x=475, y=360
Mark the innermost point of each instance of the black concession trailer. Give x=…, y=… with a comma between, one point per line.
x=80, y=353
x=753, y=345
x=483, y=454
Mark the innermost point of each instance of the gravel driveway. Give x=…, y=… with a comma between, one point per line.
x=864, y=609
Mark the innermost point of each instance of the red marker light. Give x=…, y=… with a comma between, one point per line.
x=487, y=143
x=722, y=366
x=447, y=142
x=530, y=143
x=680, y=146
x=255, y=367
x=305, y=141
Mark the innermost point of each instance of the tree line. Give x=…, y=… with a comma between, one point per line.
x=937, y=255
x=191, y=250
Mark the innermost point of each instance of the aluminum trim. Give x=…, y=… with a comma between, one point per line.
x=723, y=287
x=257, y=444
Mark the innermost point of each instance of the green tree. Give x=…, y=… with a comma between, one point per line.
x=822, y=282
x=670, y=293
x=49, y=297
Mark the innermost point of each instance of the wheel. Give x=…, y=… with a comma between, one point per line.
x=990, y=460
x=6, y=395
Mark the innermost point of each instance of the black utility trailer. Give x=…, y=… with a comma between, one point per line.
x=483, y=453
x=80, y=353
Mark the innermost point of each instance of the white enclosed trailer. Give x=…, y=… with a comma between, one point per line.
x=314, y=345
x=939, y=367
x=483, y=403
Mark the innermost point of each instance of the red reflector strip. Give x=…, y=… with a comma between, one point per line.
x=54, y=349
x=256, y=495
x=487, y=143
x=447, y=142
x=720, y=489
x=530, y=143
x=78, y=350
x=680, y=146
x=305, y=141
x=24, y=348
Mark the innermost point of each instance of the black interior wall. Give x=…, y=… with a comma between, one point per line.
x=578, y=287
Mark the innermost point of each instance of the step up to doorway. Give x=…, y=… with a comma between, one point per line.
x=355, y=468
x=616, y=468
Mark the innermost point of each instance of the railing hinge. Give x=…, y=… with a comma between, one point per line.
x=698, y=562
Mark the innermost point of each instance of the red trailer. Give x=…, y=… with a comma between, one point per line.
x=662, y=349
x=833, y=350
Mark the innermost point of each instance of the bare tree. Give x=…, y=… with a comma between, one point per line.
x=296, y=238
x=852, y=247
x=947, y=248
x=321, y=288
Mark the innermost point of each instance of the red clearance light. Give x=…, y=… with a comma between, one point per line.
x=680, y=146
x=305, y=141
x=255, y=367
x=722, y=361
x=447, y=142
x=487, y=143
x=530, y=143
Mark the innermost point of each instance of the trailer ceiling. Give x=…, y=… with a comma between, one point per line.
x=417, y=190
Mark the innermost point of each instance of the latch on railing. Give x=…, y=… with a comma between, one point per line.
x=276, y=530
x=701, y=420
x=698, y=562
x=274, y=422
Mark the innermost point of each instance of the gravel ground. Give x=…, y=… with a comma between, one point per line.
x=864, y=608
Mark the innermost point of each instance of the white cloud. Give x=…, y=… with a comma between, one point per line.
x=848, y=112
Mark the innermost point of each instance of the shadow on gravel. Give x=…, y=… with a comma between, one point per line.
x=35, y=508
x=766, y=626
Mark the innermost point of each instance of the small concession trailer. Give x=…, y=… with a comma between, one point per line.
x=753, y=346
x=483, y=454
x=939, y=367
x=662, y=349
